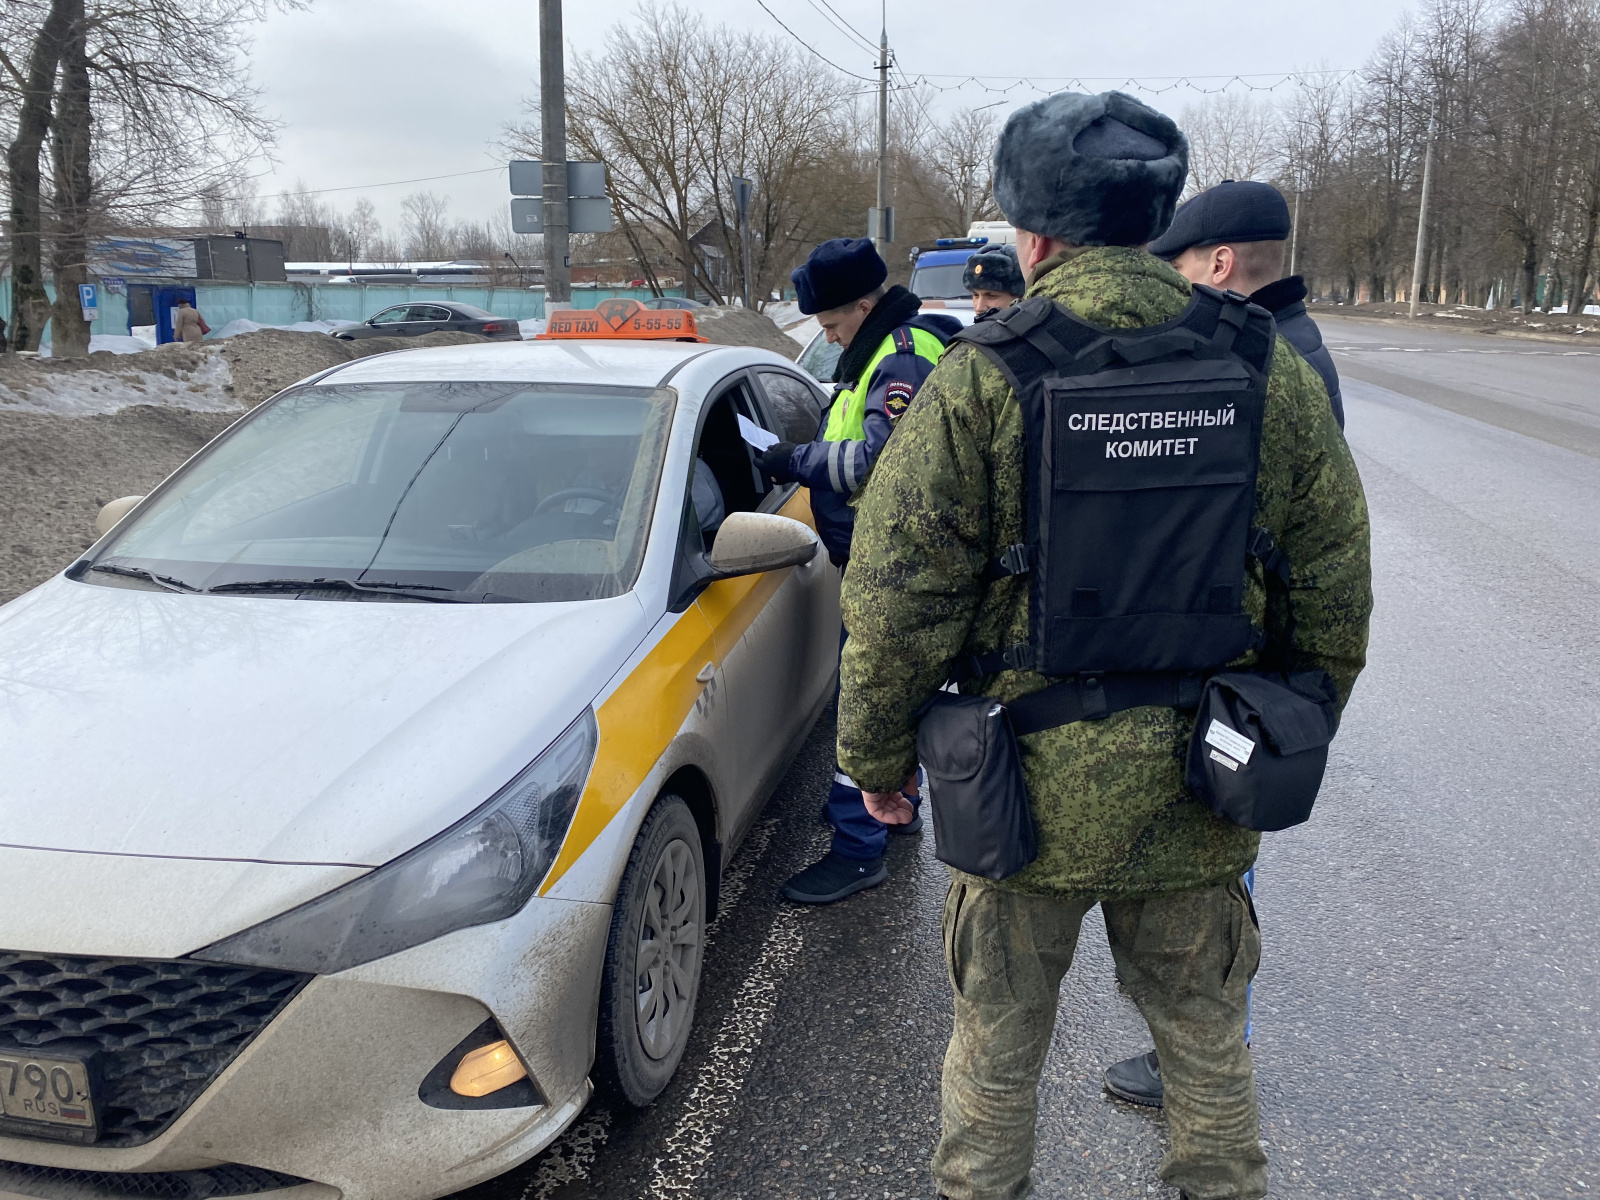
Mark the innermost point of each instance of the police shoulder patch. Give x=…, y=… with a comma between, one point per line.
x=897, y=398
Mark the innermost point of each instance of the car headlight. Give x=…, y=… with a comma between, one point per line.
x=482, y=869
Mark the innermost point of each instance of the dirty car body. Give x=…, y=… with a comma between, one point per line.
x=324, y=766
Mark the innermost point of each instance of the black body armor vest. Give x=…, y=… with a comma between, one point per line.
x=1142, y=451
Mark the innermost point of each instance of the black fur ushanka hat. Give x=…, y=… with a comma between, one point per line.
x=994, y=269
x=1102, y=170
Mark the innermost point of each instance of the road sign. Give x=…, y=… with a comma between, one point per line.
x=89, y=301
x=526, y=178
x=527, y=215
x=741, y=196
x=588, y=206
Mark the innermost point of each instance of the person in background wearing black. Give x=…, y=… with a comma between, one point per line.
x=1235, y=237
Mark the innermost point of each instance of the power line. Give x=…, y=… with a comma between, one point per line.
x=810, y=47
x=361, y=187
x=863, y=38
x=1154, y=85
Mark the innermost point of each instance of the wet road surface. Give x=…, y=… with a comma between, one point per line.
x=1426, y=1010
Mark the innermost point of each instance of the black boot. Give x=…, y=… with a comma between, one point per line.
x=834, y=878
x=1136, y=1080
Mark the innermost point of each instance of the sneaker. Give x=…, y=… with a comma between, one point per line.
x=834, y=878
x=1136, y=1080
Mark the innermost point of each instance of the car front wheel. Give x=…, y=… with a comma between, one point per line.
x=654, y=957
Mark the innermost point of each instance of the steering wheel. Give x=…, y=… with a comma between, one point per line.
x=574, y=493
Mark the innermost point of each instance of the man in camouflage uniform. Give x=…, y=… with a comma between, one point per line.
x=1087, y=180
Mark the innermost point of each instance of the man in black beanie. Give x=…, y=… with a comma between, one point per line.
x=1073, y=521
x=889, y=349
x=994, y=277
x=1235, y=235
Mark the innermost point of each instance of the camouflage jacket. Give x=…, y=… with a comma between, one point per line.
x=1113, y=817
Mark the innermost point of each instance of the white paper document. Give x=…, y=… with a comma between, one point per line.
x=755, y=435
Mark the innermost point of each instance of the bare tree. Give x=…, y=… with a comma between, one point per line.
x=1231, y=136
x=427, y=232
x=147, y=104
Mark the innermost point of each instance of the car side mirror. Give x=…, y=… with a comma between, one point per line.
x=111, y=513
x=749, y=543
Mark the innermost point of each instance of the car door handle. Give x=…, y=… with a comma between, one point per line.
x=707, y=673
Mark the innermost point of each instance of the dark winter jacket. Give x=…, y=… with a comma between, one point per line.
x=1286, y=301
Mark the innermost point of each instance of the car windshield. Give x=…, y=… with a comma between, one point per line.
x=472, y=312
x=821, y=357
x=939, y=283
x=497, y=491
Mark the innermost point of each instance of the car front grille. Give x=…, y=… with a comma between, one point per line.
x=156, y=1032
x=57, y=1183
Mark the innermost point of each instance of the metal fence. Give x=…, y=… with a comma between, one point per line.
x=289, y=303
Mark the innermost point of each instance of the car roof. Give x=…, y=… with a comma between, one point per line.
x=945, y=258
x=615, y=363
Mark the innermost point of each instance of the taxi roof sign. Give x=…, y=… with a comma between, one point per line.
x=620, y=318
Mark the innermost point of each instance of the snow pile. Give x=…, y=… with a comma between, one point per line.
x=203, y=385
x=730, y=325
x=785, y=313
x=532, y=327
x=245, y=325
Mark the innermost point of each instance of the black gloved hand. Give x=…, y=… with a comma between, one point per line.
x=774, y=462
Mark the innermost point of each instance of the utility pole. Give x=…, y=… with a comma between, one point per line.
x=553, y=136
x=880, y=232
x=742, y=188
x=1422, y=215
x=1294, y=234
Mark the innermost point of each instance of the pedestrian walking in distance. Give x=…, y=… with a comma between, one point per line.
x=1087, y=610
x=1234, y=236
x=187, y=323
x=889, y=349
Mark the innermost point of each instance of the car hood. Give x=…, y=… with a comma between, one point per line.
x=276, y=730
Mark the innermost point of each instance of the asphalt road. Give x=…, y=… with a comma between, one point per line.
x=1425, y=1013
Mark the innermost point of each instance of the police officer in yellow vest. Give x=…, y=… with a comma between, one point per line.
x=889, y=349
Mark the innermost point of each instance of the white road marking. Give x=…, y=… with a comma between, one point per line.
x=569, y=1157
x=721, y=1078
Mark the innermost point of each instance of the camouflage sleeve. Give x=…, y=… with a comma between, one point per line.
x=1325, y=532
x=915, y=579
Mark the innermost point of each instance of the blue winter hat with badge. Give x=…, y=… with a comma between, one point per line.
x=838, y=272
x=994, y=269
x=1242, y=210
x=1102, y=170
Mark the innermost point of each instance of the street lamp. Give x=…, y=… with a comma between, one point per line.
x=518, y=266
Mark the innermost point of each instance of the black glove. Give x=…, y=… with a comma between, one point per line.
x=774, y=462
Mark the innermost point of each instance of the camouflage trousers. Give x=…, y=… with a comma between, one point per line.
x=1186, y=959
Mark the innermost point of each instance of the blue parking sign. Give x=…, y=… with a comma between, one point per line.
x=89, y=301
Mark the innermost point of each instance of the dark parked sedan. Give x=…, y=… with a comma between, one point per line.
x=414, y=320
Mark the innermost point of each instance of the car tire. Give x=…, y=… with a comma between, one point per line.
x=650, y=981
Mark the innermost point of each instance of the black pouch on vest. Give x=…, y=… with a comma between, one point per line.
x=981, y=822
x=1260, y=745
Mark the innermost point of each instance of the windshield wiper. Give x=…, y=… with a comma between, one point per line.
x=414, y=591
x=166, y=581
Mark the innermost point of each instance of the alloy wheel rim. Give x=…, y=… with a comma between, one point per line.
x=668, y=959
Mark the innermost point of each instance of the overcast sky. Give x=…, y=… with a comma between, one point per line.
x=374, y=91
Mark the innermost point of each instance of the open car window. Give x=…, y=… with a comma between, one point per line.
x=505, y=491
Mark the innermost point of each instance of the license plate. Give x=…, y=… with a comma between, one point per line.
x=49, y=1090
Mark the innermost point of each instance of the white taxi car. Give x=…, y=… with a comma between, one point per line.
x=366, y=789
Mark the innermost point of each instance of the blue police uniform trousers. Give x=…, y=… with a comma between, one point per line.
x=857, y=833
